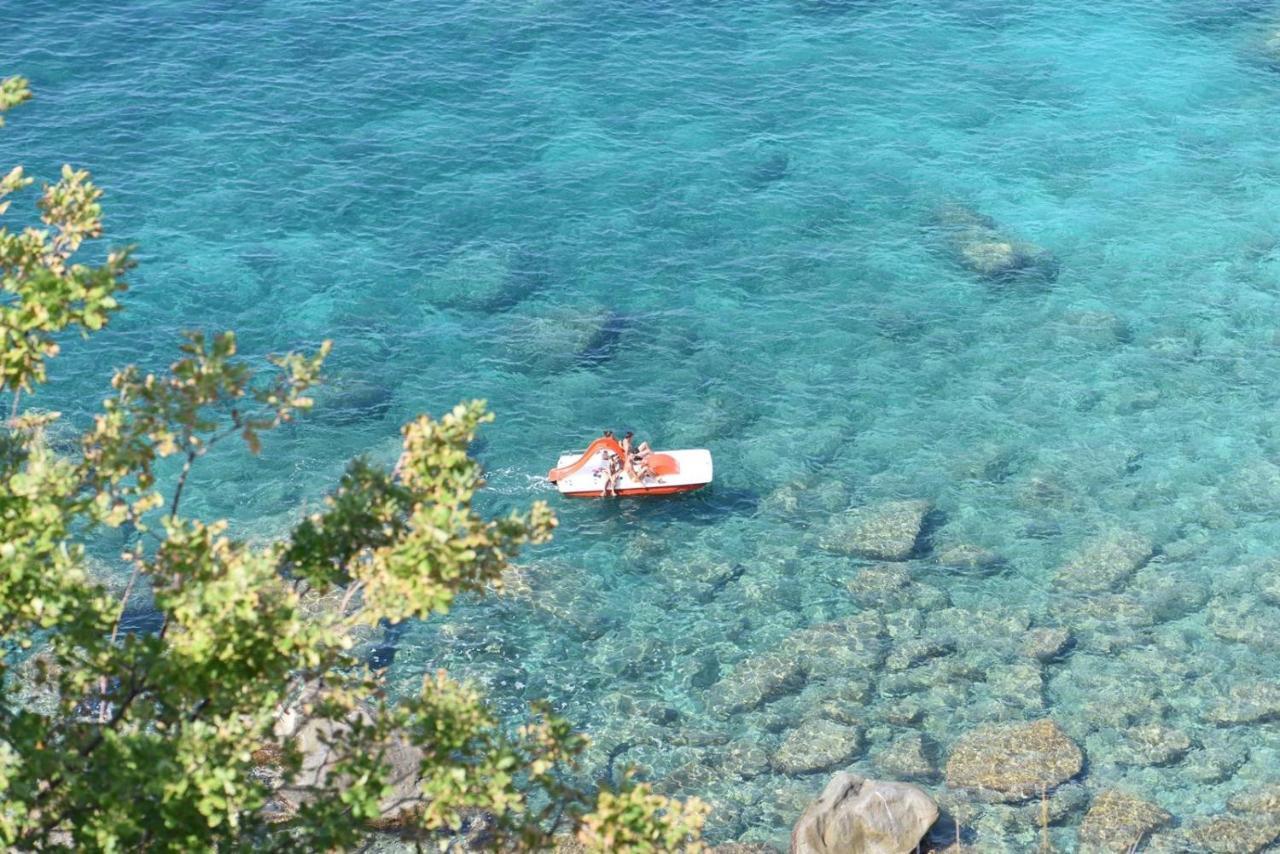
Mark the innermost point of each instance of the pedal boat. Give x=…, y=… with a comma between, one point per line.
x=581, y=474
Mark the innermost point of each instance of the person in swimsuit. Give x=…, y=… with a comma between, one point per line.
x=640, y=463
x=613, y=468
x=628, y=456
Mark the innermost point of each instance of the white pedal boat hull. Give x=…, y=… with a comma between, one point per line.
x=678, y=471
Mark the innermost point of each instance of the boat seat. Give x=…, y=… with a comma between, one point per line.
x=661, y=464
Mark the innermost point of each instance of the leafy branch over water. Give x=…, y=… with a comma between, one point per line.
x=242, y=719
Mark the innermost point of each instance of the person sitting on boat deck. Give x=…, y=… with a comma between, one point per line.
x=628, y=456
x=612, y=470
x=640, y=463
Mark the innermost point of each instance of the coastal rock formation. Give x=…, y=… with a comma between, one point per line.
x=886, y=531
x=1105, y=562
x=1011, y=762
x=817, y=745
x=33, y=684
x=313, y=738
x=855, y=815
x=1117, y=821
x=981, y=247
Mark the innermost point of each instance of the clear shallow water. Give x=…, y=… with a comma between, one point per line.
x=739, y=199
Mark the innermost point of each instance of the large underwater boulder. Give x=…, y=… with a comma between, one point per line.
x=982, y=247
x=855, y=815
x=1118, y=821
x=475, y=277
x=1013, y=762
x=1248, y=703
x=545, y=337
x=889, y=587
x=1105, y=562
x=906, y=756
x=886, y=531
x=817, y=744
x=757, y=680
x=839, y=652
x=350, y=401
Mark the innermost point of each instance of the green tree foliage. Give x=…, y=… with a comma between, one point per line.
x=243, y=720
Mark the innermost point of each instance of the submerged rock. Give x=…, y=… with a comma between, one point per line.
x=1117, y=821
x=1264, y=801
x=1153, y=744
x=352, y=401
x=1250, y=703
x=551, y=338
x=981, y=247
x=1013, y=762
x=1229, y=835
x=1243, y=621
x=889, y=587
x=914, y=652
x=887, y=531
x=1105, y=562
x=1096, y=328
x=970, y=558
x=840, y=649
x=1045, y=643
x=476, y=277
x=817, y=744
x=1266, y=578
x=838, y=699
x=1019, y=685
x=855, y=814
x=744, y=759
x=906, y=756
x=1213, y=764
x=757, y=680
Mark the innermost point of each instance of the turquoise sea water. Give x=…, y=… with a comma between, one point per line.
x=716, y=224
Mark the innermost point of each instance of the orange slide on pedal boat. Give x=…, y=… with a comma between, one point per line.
x=581, y=474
